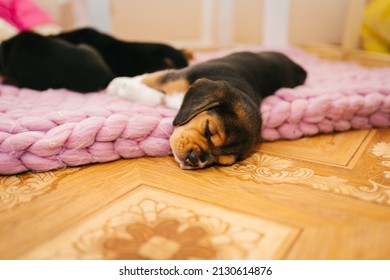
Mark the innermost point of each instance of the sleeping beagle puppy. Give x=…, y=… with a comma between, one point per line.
x=219, y=119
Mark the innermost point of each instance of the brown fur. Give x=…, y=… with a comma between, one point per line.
x=191, y=137
x=155, y=80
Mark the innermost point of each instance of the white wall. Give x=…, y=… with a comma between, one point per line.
x=208, y=23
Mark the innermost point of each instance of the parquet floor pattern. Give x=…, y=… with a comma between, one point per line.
x=323, y=197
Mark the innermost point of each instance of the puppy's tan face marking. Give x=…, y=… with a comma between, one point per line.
x=226, y=159
x=197, y=143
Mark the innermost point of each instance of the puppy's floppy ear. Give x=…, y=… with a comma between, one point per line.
x=203, y=95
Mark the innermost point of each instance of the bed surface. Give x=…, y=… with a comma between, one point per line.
x=53, y=129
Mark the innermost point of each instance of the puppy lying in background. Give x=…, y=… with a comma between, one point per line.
x=82, y=60
x=219, y=119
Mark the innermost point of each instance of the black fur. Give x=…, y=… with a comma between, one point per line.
x=38, y=62
x=128, y=58
x=82, y=60
x=258, y=75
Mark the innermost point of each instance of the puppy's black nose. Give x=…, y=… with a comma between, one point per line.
x=192, y=159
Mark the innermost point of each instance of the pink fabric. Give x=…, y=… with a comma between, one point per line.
x=53, y=129
x=23, y=14
x=58, y=128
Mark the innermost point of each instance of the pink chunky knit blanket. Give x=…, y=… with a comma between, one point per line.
x=53, y=129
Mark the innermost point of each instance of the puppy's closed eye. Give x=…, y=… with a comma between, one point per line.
x=207, y=131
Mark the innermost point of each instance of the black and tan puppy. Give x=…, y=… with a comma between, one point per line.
x=82, y=60
x=219, y=119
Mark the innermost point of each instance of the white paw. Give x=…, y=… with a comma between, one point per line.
x=174, y=100
x=134, y=90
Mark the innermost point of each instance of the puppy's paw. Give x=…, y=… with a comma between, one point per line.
x=174, y=100
x=134, y=90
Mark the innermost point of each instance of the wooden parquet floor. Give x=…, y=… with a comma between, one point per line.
x=324, y=197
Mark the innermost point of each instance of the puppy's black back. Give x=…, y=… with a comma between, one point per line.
x=35, y=61
x=256, y=74
x=128, y=58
